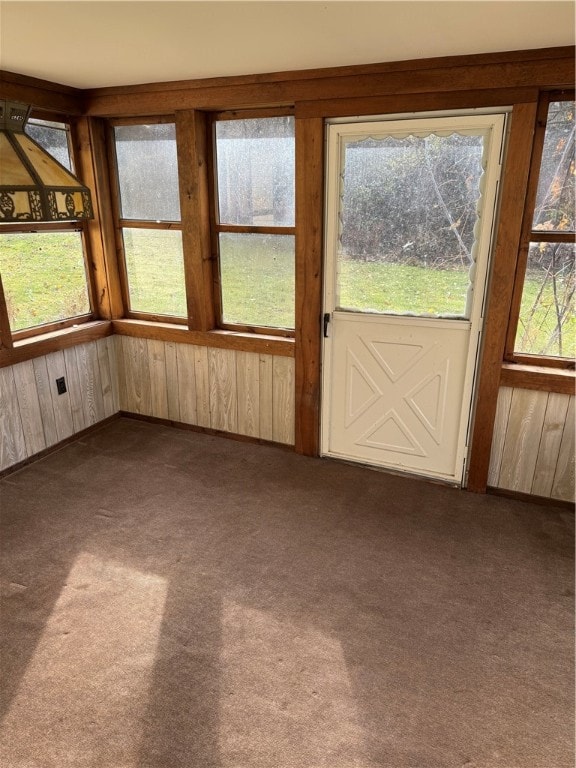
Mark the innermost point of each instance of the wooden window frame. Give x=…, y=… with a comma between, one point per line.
x=124, y=223
x=528, y=235
x=10, y=338
x=216, y=227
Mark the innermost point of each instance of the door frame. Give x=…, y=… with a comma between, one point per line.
x=497, y=120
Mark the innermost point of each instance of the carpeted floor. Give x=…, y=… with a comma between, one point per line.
x=176, y=600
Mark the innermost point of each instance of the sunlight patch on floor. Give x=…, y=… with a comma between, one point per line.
x=285, y=691
x=86, y=687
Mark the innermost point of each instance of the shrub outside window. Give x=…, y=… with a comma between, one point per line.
x=43, y=266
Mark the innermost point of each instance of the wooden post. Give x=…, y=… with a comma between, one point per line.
x=194, y=210
x=515, y=182
x=101, y=242
x=309, y=229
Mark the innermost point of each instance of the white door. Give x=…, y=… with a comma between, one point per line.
x=410, y=209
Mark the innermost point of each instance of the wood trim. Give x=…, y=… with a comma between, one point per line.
x=543, y=361
x=42, y=94
x=515, y=180
x=205, y=430
x=545, y=501
x=41, y=226
x=428, y=76
x=254, y=230
x=60, y=444
x=99, y=231
x=37, y=346
x=5, y=331
x=191, y=141
x=531, y=56
x=309, y=243
x=550, y=236
x=57, y=325
x=419, y=102
x=144, y=224
x=243, y=342
x=536, y=377
x=252, y=114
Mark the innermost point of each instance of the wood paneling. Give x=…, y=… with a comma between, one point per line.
x=533, y=443
x=227, y=390
x=33, y=416
x=12, y=440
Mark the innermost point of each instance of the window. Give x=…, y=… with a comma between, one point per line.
x=253, y=222
x=149, y=213
x=408, y=222
x=43, y=266
x=543, y=327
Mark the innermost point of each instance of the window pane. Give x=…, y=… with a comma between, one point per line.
x=547, y=325
x=44, y=277
x=148, y=172
x=257, y=276
x=555, y=197
x=53, y=137
x=256, y=171
x=155, y=269
x=408, y=211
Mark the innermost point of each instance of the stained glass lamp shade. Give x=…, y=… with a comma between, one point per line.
x=33, y=185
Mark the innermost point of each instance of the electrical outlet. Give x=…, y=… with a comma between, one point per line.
x=61, y=385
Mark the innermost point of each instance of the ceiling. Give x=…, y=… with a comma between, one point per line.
x=92, y=44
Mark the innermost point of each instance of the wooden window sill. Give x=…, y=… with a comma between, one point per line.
x=538, y=377
x=44, y=343
x=222, y=339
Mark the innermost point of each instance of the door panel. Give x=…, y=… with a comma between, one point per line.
x=399, y=385
x=410, y=207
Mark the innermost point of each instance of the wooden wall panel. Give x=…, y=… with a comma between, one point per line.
x=248, y=384
x=158, y=388
x=555, y=425
x=186, y=384
x=283, y=400
x=12, y=441
x=533, y=443
x=29, y=407
x=56, y=368
x=563, y=484
x=45, y=400
x=33, y=416
x=135, y=376
x=228, y=390
x=223, y=389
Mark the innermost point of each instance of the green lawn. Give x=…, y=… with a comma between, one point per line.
x=43, y=278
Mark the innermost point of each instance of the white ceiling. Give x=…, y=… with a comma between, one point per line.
x=90, y=44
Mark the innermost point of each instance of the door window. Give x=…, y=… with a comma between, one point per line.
x=408, y=222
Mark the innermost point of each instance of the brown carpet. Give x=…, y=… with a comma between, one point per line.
x=174, y=600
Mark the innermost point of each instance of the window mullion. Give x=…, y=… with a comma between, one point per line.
x=191, y=141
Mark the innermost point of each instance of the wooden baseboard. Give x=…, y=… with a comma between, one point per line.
x=59, y=445
x=541, y=500
x=206, y=430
